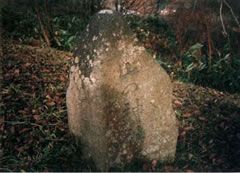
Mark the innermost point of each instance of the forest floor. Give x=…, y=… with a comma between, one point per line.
x=34, y=132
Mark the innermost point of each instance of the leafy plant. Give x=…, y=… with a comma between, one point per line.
x=20, y=22
x=223, y=74
x=67, y=30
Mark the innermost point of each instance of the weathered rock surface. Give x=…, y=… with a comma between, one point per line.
x=119, y=99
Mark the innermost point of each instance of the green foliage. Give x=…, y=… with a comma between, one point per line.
x=20, y=23
x=223, y=74
x=67, y=30
x=221, y=71
x=191, y=62
x=165, y=65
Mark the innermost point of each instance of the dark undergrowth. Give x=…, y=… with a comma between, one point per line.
x=191, y=62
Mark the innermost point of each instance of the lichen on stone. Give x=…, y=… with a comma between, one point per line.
x=102, y=31
x=119, y=98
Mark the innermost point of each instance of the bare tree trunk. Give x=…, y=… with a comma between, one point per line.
x=44, y=31
x=47, y=11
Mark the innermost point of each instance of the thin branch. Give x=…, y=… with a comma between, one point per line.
x=221, y=18
x=56, y=140
x=44, y=32
x=194, y=6
x=233, y=14
x=27, y=123
x=21, y=123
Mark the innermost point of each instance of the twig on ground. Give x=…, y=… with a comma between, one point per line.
x=21, y=123
x=28, y=123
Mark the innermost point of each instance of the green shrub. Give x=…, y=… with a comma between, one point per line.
x=20, y=22
x=67, y=30
x=224, y=73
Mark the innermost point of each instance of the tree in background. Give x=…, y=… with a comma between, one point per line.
x=47, y=22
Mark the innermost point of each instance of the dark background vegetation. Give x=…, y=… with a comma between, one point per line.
x=197, y=44
x=205, y=53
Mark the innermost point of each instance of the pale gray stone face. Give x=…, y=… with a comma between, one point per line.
x=119, y=99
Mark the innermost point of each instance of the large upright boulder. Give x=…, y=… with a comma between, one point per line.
x=119, y=99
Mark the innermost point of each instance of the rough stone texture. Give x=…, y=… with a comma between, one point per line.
x=119, y=99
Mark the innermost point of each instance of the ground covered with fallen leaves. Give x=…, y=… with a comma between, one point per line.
x=34, y=133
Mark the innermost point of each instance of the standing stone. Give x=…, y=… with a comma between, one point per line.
x=119, y=99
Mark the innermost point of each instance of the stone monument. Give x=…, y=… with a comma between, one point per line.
x=119, y=100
